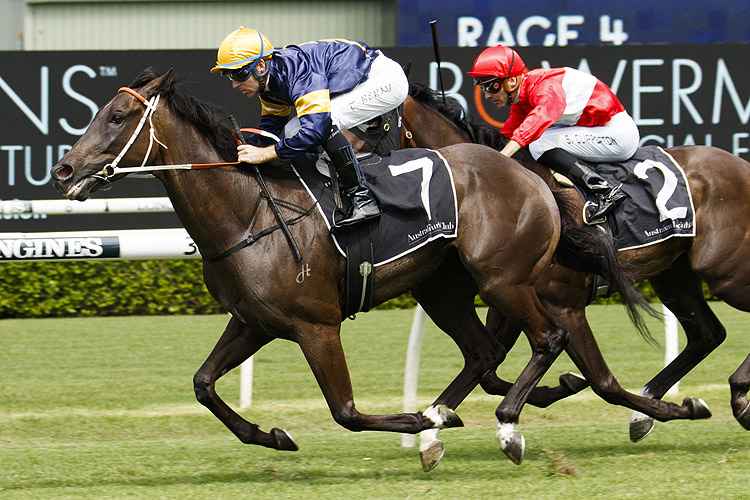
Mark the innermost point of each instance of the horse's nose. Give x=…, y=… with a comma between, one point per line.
x=61, y=171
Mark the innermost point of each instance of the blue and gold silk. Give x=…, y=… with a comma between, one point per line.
x=304, y=78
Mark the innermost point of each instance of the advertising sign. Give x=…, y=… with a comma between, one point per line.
x=48, y=99
x=475, y=23
x=677, y=94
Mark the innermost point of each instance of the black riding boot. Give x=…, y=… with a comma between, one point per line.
x=608, y=196
x=363, y=205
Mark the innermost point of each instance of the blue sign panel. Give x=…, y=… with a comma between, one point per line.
x=483, y=23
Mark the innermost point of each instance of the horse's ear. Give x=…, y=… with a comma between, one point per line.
x=407, y=69
x=157, y=84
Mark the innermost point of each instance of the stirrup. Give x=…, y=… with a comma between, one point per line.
x=358, y=213
x=585, y=215
x=600, y=209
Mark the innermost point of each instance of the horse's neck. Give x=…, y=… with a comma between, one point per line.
x=429, y=128
x=215, y=205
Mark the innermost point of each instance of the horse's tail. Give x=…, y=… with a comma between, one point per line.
x=590, y=250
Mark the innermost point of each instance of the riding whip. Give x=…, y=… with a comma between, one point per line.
x=267, y=194
x=436, y=46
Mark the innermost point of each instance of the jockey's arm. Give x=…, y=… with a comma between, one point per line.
x=253, y=154
x=511, y=148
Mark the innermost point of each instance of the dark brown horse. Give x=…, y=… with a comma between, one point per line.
x=719, y=254
x=508, y=229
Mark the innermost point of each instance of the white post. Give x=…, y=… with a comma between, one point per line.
x=671, y=348
x=246, y=383
x=411, y=375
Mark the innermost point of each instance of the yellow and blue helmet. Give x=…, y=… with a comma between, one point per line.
x=240, y=48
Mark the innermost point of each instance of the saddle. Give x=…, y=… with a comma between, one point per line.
x=415, y=191
x=658, y=206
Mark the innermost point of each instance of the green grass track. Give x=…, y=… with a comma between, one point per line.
x=104, y=408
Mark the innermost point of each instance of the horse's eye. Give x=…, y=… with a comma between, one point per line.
x=117, y=118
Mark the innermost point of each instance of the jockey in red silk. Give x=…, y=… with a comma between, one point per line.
x=331, y=85
x=566, y=117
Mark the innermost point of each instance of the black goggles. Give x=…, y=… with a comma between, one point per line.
x=492, y=85
x=238, y=75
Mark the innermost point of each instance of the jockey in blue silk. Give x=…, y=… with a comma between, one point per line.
x=311, y=92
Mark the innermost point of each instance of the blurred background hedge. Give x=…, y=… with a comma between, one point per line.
x=123, y=288
x=115, y=288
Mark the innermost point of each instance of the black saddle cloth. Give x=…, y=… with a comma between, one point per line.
x=415, y=191
x=659, y=205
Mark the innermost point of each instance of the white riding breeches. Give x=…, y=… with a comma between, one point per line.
x=617, y=140
x=385, y=88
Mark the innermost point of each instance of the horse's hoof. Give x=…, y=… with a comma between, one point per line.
x=431, y=456
x=284, y=440
x=743, y=417
x=443, y=417
x=511, y=442
x=450, y=418
x=574, y=382
x=698, y=408
x=641, y=426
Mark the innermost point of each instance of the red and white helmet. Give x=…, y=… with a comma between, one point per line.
x=499, y=61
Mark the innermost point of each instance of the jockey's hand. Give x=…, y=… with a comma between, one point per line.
x=253, y=154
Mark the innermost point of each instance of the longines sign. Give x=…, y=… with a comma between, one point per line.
x=681, y=94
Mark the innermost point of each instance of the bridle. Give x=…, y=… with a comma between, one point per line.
x=111, y=169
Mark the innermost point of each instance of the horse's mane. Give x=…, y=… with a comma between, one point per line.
x=478, y=131
x=209, y=119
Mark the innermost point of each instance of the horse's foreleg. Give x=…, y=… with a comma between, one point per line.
x=521, y=305
x=322, y=348
x=237, y=343
x=585, y=353
x=541, y=396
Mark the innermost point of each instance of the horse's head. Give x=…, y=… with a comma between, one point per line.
x=113, y=136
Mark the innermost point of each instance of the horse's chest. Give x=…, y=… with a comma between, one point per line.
x=260, y=289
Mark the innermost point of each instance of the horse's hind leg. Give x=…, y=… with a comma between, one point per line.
x=521, y=305
x=739, y=384
x=321, y=345
x=237, y=343
x=681, y=290
x=448, y=299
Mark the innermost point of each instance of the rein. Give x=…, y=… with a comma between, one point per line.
x=112, y=169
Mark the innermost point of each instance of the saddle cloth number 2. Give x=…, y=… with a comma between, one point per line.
x=666, y=192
